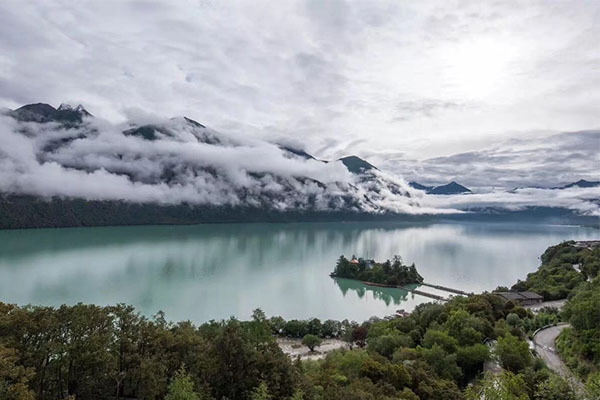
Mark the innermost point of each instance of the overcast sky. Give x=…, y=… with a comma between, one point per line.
x=419, y=86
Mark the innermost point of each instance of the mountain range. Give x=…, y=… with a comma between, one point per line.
x=449, y=188
x=64, y=167
x=180, y=161
x=582, y=183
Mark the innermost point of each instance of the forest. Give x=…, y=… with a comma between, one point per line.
x=392, y=273
x=556, y=278
x=85, y=352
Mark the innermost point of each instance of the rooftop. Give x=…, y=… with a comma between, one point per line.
x=519, y=295
x=587, y=243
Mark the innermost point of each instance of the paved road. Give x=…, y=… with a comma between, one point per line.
x=544, y=342
x=552, y=304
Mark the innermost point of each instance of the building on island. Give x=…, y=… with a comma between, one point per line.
x=366, y=263
x=590, y=244
x=521, y=298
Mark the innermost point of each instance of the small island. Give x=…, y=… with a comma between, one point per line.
x=391, y=273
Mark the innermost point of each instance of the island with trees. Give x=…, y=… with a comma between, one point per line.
x=391, y=273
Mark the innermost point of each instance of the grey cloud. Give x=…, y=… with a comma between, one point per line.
x=183, y=162
x=547, y=161
x=390, y=79
x=426, y=108
x=582, y=200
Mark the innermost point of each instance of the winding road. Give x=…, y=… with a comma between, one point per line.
x=544, y=341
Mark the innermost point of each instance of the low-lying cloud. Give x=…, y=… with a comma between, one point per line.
x=584, y=201
x=179, y=161
x=542, y=161
x=183, y=163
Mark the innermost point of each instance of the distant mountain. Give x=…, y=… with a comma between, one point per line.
x=356, y=165
x=41, y=112
x=582, y=183
x=450, y=188
x=297, y=152
x=80, y=171
x=156, y=132
x=417, y=185
x=181, y=163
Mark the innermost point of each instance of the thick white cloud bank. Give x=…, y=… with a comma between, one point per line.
x=584, y=201
x=184, y=162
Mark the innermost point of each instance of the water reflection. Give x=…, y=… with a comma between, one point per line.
x=207, y=272
x=389, y=296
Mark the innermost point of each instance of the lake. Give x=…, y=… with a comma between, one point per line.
x=204, y=272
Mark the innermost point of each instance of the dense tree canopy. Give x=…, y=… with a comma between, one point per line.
x=580, y=344
x=96, y=352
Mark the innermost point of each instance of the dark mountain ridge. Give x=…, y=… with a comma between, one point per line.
x=449, y=188
x=42, y=112
x=582, y=183
x=357, y=165
x=173, y=161
x=67, y=136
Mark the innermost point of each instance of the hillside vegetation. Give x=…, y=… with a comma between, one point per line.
x=556, y=277
x=437, y=352
x=92, y=352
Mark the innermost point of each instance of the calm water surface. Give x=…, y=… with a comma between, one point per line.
x=208, y=272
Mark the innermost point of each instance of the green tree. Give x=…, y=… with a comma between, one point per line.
x=261, y=392
x=348, y=336
x=471, y=358
x=507, y=386
x=443, y=363
x=13, y=378
x=181, y=387
x=513, y=353
x=298, y=395
x=554, y=388
x=465, y=328
x=513, y=319
x=441, y=338
x=331, y=328
x=277, y=324
x=387, y=344
x=259, y=329
x=593, y=386
x=315, y=327
x=311, y=341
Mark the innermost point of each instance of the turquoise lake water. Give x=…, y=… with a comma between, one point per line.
x=205, y=272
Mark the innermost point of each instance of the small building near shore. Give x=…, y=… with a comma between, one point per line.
x=521, y=298
x=590, y=244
